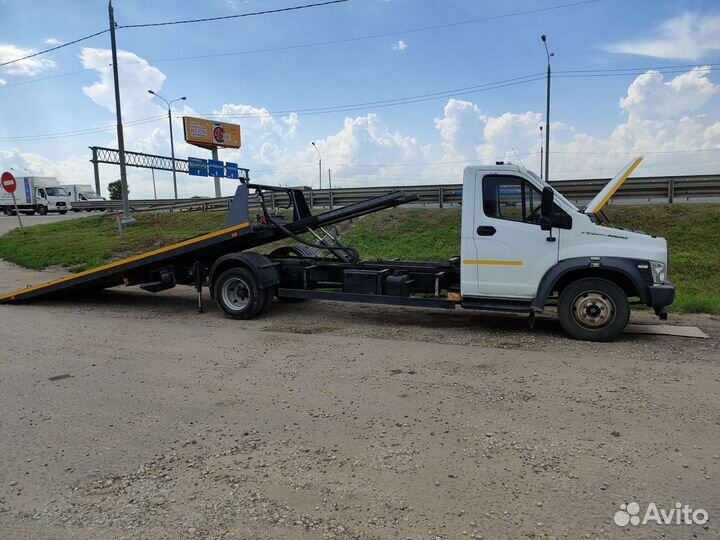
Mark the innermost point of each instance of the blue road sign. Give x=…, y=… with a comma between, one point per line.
x=216, y=168
x=197, y=167
x=231, y=170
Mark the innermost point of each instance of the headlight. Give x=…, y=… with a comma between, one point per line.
x=658, y=272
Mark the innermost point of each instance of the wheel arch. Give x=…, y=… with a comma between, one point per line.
x=621, y=271
x=262, y=268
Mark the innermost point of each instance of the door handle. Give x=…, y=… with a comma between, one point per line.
x=486, y=230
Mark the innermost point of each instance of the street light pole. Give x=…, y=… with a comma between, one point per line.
x=541, y=154
x=127, y=219
x=319, y=163
x=547, y=111
x=172, y=142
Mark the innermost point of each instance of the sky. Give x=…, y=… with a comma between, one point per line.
x=393, y=92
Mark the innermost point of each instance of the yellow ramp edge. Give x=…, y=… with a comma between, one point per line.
x=184, y=243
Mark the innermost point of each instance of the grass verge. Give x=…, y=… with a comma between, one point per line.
x=83, y=243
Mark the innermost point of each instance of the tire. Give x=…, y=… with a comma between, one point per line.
x=42, y=210
x=29, y=213
x=63, y=212
x=238, y=295
x=593, y=309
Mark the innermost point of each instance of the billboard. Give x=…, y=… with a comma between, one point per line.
x=210, y=134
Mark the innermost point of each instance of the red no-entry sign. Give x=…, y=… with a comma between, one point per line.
x=8, y=182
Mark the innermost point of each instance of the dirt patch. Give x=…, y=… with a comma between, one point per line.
x=328, y=420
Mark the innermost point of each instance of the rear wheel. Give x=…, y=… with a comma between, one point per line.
x=42, y=210
x=237, y=294
x=593, y=309
x=63, y=212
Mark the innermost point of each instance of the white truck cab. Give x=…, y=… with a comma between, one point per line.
x=522, y=241
x=82, y=193
x=41, y=194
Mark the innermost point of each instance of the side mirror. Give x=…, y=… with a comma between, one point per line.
x=546, y=209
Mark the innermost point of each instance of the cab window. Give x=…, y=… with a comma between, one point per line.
x=512, y=198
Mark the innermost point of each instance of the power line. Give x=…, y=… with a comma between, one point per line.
x=45, y=51
x=188, y=21
x=676, y=66
x=388, y=102
x=302, y=112
x=236, y=16
x=378, y=35
x=304, y=45
x=86, y=131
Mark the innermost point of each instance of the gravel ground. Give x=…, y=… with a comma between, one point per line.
x=127, y=415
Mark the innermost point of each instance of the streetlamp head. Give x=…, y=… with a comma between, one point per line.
x=543, y=37
x=151, y=92
x=183, y=98
x=313, y=143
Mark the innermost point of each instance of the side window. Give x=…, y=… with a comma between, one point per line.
x=512, y=198
x=41, y=193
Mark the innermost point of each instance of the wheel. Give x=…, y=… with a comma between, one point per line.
x=76, y=210
x=593, y=309
x=29, y=213
x=42, y=210
x=238, y=295
x=63, y=212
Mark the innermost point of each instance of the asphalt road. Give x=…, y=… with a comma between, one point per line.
x=129, y=415
x=8, y=223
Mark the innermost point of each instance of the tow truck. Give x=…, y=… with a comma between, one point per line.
x=523, y=247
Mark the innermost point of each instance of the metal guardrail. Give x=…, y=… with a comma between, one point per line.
x=664, y=189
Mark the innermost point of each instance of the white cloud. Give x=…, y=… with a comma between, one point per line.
x=399, y=45
x=52, y=41
x=137, y=76
x=675, y=116
x=29, y=67
x=364, y=141
x=688, y=37
x=649, y=96
x=3, y=82
x=461, y=129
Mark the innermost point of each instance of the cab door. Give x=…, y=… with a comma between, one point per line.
x=513, y=253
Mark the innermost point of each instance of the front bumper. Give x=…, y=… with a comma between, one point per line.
x=661, y=296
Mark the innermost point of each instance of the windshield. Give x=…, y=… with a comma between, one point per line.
x=558, y=195
x=90, y=195
x=56, y=192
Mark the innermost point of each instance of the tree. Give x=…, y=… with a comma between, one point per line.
x=115, y=189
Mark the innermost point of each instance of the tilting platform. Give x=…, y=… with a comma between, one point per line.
x=240, y=234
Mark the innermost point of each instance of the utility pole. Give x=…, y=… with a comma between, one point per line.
x=172, y=143
x=541, y=154
x=330, y=185
x=153, y=177
x=127, y=220
x=319, y=163
x=547, y=111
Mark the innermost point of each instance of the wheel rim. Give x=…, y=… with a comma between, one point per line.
x=236, y=294
x=593, y=310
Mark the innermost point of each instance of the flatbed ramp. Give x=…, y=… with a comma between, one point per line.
x=239, y=235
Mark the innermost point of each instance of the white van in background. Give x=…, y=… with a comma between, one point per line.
x=41, y=194
x=82, y=193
